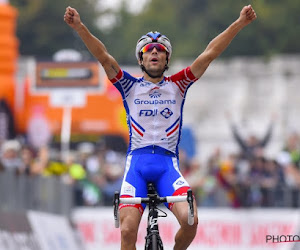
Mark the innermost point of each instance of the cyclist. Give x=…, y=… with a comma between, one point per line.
x=154, y=105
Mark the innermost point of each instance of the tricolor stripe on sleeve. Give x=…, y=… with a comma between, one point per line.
x=117, y=77
x=183, y=79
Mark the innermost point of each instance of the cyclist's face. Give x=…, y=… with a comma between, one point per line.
x=155, y=60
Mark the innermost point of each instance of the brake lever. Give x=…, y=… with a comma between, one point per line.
x=190, y=200
x=116, y=209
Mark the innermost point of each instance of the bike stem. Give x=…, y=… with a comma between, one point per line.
x=153, y=213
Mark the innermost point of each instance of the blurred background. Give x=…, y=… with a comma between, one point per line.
x=63, y=131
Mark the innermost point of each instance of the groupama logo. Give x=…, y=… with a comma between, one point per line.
x=154, y=93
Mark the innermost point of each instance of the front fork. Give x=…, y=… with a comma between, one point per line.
x=153, y=239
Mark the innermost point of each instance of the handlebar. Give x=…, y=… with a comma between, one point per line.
x=116, y=209
x=139, y=200
x=190, y=200
x=158, y=200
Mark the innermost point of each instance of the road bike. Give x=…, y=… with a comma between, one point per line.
x=153, y=200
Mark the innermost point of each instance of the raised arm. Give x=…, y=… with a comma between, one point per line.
x=221, y=42
x=265, y=140
x=94, y=45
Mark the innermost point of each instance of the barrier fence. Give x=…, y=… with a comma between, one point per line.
x=50, y=194
x=34, y=230
x=21, y=193
x=29, y=204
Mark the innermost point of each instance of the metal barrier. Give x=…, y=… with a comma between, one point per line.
x=20, y=193
x=253, y=197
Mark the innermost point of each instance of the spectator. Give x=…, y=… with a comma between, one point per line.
x=1, y=167
x=288, y=159
x=27, y=159
x=188, y=142
x=76, y=172
x=112, y=175
x=272, y=176
x=194, y=175
x=86, y=193
x=48, y=163
x=184, y=162
x=88, y=159
x=292, y=148
x=252, y=146
x=271, y=182
x=38, y=132
x=55, y=168
x=291, y=177
x=7, y=123
x=40, y=162
x=256, y=176
x=10, y=155
x=227, y=180
x=209, y=185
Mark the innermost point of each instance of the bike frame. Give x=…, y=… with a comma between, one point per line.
x=153, y=239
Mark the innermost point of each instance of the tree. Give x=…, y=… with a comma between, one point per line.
x=41, y=29
x=190, y=24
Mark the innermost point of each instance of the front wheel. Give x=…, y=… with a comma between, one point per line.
x=154, y=243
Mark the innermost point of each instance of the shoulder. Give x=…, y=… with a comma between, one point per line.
x=185, y=74
x=123, y=75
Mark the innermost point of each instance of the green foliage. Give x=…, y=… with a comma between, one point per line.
x=190, y=24
x=41, y=29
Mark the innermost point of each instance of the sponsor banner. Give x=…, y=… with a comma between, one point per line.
x=16, y=232
x=217, y=229
x=52, y=231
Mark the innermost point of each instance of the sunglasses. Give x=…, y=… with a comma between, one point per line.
x=150, y=46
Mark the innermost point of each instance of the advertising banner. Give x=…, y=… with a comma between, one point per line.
x=52, y=231
x=218, y=229
x=16, y=232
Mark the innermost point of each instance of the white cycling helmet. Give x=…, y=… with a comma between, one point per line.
x=152, y=37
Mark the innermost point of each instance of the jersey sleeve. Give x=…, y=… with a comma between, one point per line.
x=184, y=79
x=124, y=82
x=118, y=77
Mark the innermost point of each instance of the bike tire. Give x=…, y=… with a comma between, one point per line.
x=154, y=241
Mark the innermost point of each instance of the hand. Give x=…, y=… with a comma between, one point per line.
x=247, y=15
x=72, y=17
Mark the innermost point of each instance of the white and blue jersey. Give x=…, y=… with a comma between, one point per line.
x=154, y=117
x=154, y=111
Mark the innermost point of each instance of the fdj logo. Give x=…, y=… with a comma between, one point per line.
x=148, y=112
x=166, y=113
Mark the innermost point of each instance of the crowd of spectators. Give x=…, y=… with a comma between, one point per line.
x=94, y=172
x=246, y=178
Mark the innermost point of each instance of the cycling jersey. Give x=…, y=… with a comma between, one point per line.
x=154, y=111
x=154, y=117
